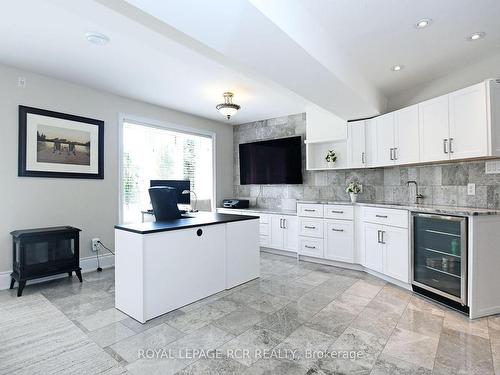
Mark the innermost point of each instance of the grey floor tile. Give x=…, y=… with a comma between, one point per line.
x=138, y=327
x=111, y=334
x=421, y=322
x=284, y=321
x=219, y=366
x=377, y=322
x=387, y=365
x=277, y=367
x=195, y=319
x=101, y=319
x=205, y=338
x=240, y=320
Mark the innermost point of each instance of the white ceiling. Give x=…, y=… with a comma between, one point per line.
x=278, y=57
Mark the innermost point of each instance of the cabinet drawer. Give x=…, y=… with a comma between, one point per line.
x=264, y=240
x=386, y=216
x=339, y=211
x=264, y=229
x=311, y=227
x=310, y=210
x=311, y=247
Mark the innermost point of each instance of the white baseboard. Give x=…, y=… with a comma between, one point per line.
x=88, y=264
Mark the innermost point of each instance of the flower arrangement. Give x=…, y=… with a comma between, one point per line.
x=353, y=187
x=331, y=157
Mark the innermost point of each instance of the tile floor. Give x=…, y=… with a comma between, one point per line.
x=295, y=309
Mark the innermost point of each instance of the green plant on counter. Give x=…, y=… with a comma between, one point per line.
x=353, y=187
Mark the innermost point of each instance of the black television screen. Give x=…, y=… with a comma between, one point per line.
x=277, y=161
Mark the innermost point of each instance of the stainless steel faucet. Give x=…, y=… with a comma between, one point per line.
x=417, y=194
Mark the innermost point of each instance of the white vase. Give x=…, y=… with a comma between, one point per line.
x=354, y=197
x=330, y=164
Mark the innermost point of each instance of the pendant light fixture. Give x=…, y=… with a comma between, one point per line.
x=228, y=108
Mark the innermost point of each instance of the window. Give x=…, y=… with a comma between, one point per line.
x=155, y=153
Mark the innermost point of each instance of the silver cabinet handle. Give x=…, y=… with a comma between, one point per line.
x=451, y=146
x=391, y=153
x=309, y=210
x=281, y=223
x=310, y=247
x=336, y=212
x=395, y=153
x=378, y=236
x=381, y=216
x=284, y=223
x=382, y=236
x=337, y=230
x=445, y=146
x=309, y=227
x=362, y=158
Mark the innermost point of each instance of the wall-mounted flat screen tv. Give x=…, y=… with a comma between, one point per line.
x=277, y=161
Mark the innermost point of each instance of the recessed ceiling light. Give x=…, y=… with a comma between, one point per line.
x=397, y=68
x=424, y=22
x=476, y=36
x=97, y=38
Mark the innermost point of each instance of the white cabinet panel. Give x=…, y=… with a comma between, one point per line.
x=311, y=246
x=339, y=237
x=276, y=239
x=339, y=211
x=310, y=209
x=311, y=227
x=291, y=233
x=434, y=129
x=373, y=247
x=386, y=216
x=384, y=133
x=406, y=135
x=396, y=263
x=356, y=144
x=468, y=122
x=370, y=142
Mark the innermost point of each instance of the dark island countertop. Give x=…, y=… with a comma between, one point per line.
x=191, y=220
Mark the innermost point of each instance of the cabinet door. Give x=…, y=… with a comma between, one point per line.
x=356, y=144
x=468, y=122
x=339, y=238
x=434, y=129
x=406, y=137
x=384, y=134
x=396, y=253
x=276, y=231
x=291, y=233
x=370, y=143
x=373, y=247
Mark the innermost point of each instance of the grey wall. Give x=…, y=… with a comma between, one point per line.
x=91, y=205
x=442, y=184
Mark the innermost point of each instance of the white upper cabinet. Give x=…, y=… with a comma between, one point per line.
x=468, y=122
x=356, y=144
x=384, y=136
x=406, y=136
x=434, y=129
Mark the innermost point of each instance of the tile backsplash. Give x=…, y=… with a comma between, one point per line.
x=440, y=184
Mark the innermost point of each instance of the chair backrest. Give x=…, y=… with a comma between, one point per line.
x=164, y=201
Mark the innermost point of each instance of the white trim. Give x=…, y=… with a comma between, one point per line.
x=123, y=117
x=88, y=264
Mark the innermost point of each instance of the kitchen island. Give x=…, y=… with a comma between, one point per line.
x=162, y=266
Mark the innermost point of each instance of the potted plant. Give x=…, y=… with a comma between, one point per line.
x=330, y=158
x=353, y=189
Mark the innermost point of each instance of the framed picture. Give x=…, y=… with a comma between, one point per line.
x=53, y=144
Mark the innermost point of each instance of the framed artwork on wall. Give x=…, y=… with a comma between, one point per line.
x=54, y=144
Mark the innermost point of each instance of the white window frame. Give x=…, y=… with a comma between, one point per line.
x=139, y=120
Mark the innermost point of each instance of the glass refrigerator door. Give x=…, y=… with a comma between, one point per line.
x=439, y=250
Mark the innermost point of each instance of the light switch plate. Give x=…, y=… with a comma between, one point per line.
x=471, y=189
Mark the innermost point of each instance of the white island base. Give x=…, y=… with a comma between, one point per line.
x=161, y=271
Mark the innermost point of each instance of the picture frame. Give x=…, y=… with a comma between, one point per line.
x=59, y=145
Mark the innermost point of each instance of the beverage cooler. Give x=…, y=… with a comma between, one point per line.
x=439, y=258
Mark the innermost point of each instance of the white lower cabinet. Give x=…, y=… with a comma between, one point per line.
x=339, y=238
x=284, y=232
x=386, y=250
x=311, y=247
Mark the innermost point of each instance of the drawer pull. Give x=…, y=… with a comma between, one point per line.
x=309, y=227
x=309, y=210
x=310, y=247
x=336, y=212
x=381, y=216
x=337, y=230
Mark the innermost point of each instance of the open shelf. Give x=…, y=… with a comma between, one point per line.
x=317, y=150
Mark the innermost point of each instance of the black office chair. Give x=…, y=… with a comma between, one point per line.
x=164, y=201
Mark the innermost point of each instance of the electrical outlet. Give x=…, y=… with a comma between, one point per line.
x=471, y=189
x=95, y=244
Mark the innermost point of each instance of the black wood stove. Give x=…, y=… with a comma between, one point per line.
x=44, y=252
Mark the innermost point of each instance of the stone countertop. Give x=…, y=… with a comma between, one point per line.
x=278, y=211
x=432, y=209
